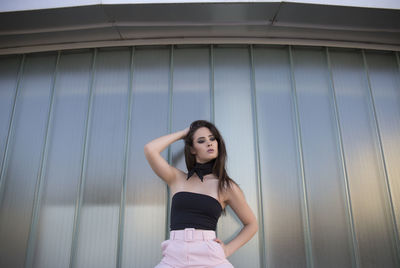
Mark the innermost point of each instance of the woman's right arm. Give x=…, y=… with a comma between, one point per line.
x=152, y=151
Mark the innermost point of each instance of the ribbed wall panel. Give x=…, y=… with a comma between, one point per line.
x=98, y=221
x=330, y=234
x=233, y=116
x=146, y=195
x=370, y=201
x=385, y=78
x=190, y=93
x=315, y=131
x=61, y=177
x=9, y=78
x=278, y=159
x=24, y=158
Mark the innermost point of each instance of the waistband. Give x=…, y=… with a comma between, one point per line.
x=191, y=234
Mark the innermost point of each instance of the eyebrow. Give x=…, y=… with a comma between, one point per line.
x=204, y=137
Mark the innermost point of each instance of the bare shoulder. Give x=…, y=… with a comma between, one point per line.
x=229, y=192
x=233, y=192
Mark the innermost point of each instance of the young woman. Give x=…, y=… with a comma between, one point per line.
x=198, y=199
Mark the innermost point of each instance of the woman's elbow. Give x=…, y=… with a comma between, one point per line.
x=252, y=226
x=147, y=149
x=255, y=226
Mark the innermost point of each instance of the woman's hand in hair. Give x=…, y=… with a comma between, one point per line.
x=185, y=132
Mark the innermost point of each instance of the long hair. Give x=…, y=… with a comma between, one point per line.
x=219, y=170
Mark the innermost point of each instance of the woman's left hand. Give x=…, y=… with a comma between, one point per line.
x=219, y=241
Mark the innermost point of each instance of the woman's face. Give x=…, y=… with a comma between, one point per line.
x=205, y=146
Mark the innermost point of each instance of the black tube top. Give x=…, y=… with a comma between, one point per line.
x=194, y=210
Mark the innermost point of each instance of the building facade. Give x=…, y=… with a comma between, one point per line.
x=306, y=96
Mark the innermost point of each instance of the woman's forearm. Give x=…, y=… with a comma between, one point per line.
x=159, y=144
x=247, y=232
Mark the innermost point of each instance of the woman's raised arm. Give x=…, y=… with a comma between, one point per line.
x=153, y=149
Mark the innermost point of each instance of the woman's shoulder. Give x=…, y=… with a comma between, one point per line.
x=231, y=190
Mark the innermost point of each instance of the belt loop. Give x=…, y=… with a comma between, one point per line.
x=189, y=234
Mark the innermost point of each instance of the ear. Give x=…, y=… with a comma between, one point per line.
x=192, y=151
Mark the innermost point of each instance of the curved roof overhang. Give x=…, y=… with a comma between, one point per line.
x=256, y=22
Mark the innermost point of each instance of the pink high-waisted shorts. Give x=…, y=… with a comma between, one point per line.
x=190, y=248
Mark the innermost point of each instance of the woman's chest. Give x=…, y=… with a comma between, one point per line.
x=209, y=186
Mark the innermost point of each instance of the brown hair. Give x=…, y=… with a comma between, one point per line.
x=219, y=166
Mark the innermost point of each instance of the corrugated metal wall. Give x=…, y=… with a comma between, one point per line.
x=313, y=138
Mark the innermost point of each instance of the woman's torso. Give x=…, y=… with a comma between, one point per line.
x=209, y=186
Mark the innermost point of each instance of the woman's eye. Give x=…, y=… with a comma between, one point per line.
x=212, y=139
x=200, y=141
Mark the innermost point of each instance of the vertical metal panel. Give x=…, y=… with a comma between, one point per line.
x=278, y=158
x=121, y=223
x=98, y=225
x=8, y=104
x=327, y=208
x=8, y=85
x=349, y=207
x=212, y=105
x=41, y=173
x=63, y=162
x=191, y=94
x=366, y=179
x=389, y=85
x=233, y=116
x=146, y=195
x=24, y=161
x=82, y=175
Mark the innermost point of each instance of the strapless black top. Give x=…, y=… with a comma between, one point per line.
x=194, y=210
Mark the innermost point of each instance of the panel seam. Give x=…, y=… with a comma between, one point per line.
x=121, y=223
x=306, y=216
x=170, y=102
x=261, y=232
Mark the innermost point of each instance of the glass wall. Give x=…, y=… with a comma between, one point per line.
x=312, y=135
